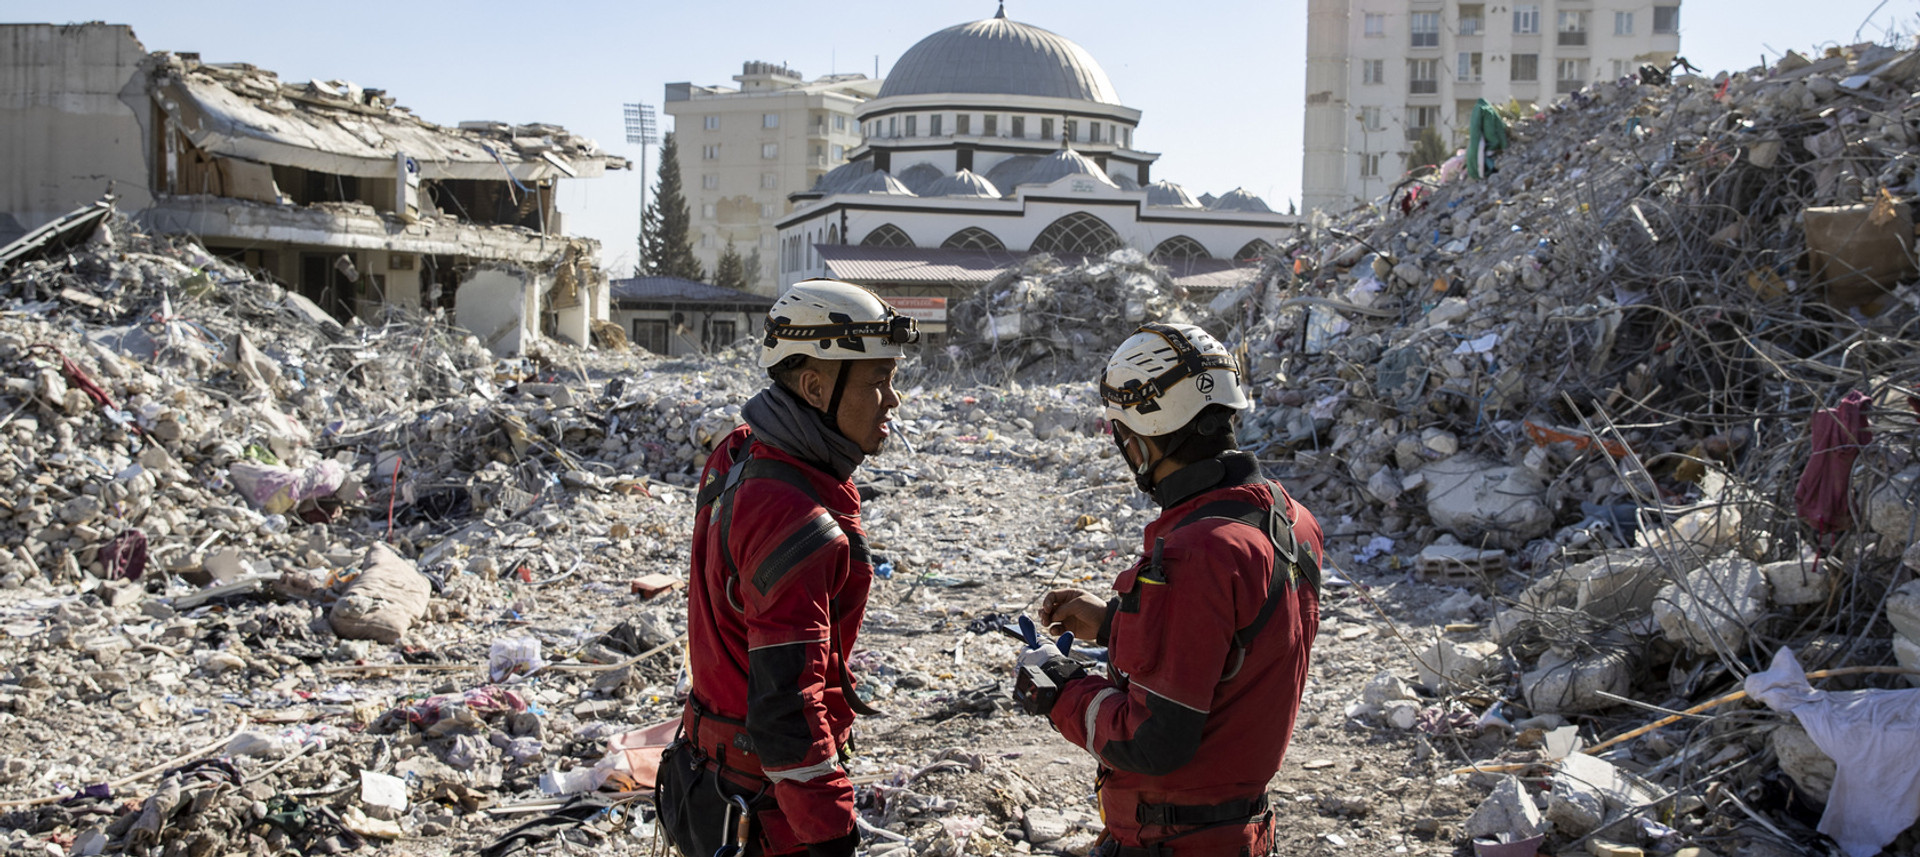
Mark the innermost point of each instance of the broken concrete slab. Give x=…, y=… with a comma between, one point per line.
x=1717, y=605
x=1903, y=610
x=1565, y=683
x=383, y=602
x=1477, y=500
x=1447, y=665
x=1796, y=582
x=1509, y=811
x=1803, y=761
x=1586, y=791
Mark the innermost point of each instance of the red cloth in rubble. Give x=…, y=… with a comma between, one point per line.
x=778, y=659
x=1838, y=435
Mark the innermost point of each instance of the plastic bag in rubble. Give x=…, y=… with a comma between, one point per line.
x=1872, y=736
x=511, y=656
x=383, y=601
x=276, y=490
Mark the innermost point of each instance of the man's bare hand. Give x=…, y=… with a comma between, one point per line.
x=1075, y=610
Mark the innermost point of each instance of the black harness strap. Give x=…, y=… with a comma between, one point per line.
x=1290, y=562
x=1245, y=810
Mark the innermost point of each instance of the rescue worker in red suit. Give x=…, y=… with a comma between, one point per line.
x=1208, y=634
x=779, y=580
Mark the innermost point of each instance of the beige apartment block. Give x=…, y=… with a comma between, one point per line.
x=1381, y=71
x=743, y=150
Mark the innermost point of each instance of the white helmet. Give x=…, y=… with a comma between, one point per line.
x=833, y=320
x=1164, y=374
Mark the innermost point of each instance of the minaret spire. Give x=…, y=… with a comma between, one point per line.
x=1002, y=14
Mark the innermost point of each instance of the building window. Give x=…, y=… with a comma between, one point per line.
x=1623, y=23
x=992, y=122
x=1180, y=247
x=1425, y=27
x=1572, y=75
x=712, y=123
x=1666, y=19
x=710, y=152
x=1469, y=67
x=1622, y=68
x=707, y=211
x=1369, y=165
x=1373, y=71
x=1376, y=26
x=1253, y=251
x=769, y=151
x=1462, y=113
x=769, y=181
x=1093, y=132
x=963, y=124
x=973, y=238
x=1526, y=20
x=888, y=235
x=839, y=122
x=1018, y=126
x=710, y=181
x=1073, y=129
x=1423, y=77
x=913, y=126
x=1077, y=234
x=893, y=125
x=1420, y=119
x=933, y=124
x=1573, y=29
x=706, y=240
x=1127, y=137
x=1524, y=67
x=651, y=334
x=766, y=211
x=769, y=120
x=1370, y=118
x=1473, y=19
x=1046, y=129
x=721, y=333
x=839, y=153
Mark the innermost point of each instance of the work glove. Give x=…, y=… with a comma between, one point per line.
x=842, y=847
x=1043, y=669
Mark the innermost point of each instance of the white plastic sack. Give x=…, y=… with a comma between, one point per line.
x=1873, y=737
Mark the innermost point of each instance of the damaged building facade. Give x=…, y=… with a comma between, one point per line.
x=331, y=189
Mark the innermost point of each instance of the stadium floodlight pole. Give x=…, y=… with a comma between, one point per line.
x=641, y=132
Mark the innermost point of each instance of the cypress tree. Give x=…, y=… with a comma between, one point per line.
x=667, y=249
x=730, y=270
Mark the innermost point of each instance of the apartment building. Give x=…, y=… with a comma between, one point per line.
x=1381, y=72
x=743, y=150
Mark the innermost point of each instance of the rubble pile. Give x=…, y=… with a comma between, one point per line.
x=1649, y=388
x=1059, y=320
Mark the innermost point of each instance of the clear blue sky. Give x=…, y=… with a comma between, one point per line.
x=1220, y=82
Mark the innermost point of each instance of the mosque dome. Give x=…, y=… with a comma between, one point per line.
x=1001, y=57
x=1061, y=164
x=963, y=183
x=1167, y=193
x=1239, y=199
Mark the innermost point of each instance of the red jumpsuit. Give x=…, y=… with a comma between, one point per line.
x=768, y=640
x=1172, y=738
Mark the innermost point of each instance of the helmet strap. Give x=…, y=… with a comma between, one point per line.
x=839, y=392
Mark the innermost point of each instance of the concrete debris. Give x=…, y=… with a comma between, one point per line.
x=1564, y=683
x=1508, y=812
x=1712, y=608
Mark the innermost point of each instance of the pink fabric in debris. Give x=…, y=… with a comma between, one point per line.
x=1838, y=435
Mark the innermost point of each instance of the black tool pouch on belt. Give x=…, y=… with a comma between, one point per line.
x=692, y=808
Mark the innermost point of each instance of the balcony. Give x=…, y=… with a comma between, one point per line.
x=1423, y=87
x=1566, y=87
x=1573, y=40
x=1414, y=132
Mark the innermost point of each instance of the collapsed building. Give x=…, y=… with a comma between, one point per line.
x=331, y=189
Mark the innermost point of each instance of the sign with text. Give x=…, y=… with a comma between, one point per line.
x=923, y=309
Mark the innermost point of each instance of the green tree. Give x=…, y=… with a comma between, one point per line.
x=755, y=268
x=666, y=250
x=730, y=271
x=1429, y=151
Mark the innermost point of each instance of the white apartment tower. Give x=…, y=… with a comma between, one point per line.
x=743, y=150
x=1379, y=72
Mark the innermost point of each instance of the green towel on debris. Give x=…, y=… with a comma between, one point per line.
x=1486, y=134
